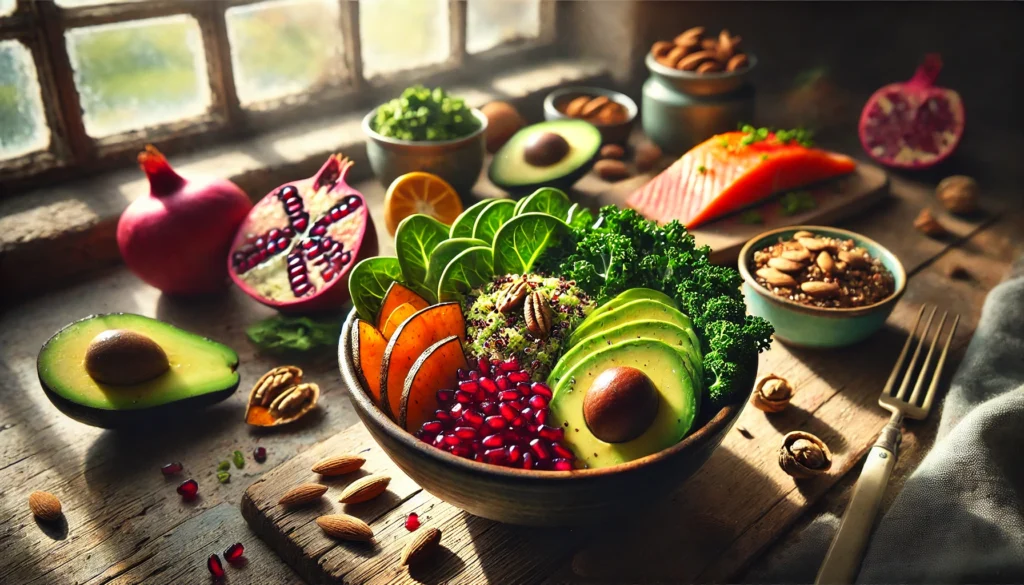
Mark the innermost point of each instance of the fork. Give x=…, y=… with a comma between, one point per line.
x=844, y=556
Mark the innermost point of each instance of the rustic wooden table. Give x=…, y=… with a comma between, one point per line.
x=125, y=524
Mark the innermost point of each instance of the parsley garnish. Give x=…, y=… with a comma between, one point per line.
x=754, y=135
x=702, y=169
x=751, y=217
x=796, y=202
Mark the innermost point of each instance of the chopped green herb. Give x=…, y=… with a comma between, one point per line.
x=223, y=476
x=422, y=113
x=724, y=142
x=797, y=135
x=223, y=466
x=796, y=202
x=289, y=334
x=751, y=217
x=764, y=157
x=702, y=169
x=239, y=459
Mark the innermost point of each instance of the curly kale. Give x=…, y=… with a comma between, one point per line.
x=623, y=250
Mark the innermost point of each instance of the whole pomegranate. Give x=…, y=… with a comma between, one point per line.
x=176, y=237
x=913, y=125
x=296, y=247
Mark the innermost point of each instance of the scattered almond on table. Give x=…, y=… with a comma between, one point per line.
x=611, y=170
x=421, y=547
x=45, y=506
x=345, y=527
x=339, y=465
x=694, y=51
x=929, y=226
x=365, y=489
x=302, y=494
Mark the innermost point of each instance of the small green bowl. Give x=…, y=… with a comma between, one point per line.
x=814, y=327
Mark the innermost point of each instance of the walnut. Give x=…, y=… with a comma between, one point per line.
x=929, y=226
x=959, y=194
x=772, y=393
x=803, y=455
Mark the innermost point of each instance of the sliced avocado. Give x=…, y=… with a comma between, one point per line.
x=666, y=370
x=199, y=371
x=639, y=310
x=663, y=331
x=555, y=153
x=634, y=294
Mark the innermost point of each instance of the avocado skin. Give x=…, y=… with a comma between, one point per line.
x=156, y=414
x=559, y=179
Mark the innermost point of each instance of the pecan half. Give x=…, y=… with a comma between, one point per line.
x=538, y=315
x=513, y=295
x=292, y=401
x=273, y=383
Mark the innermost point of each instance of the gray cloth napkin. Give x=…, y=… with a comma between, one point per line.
x=960, y=516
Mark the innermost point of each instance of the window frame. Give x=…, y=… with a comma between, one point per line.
x=40, y=25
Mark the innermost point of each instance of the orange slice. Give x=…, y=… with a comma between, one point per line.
x=420, y=192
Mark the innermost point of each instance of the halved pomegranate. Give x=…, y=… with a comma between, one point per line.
x=913, y=125
x=295, y=249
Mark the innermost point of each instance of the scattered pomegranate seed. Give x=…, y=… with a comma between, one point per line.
x=260, y=454
x=233, y=553
x=216, y=569
x=412, y=522
x=189, y=489
x=171, y=469
x=497, y=415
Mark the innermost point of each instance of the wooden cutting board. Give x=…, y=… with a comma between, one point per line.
x=836, y=200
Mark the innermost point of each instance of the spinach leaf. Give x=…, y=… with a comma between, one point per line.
x=462, y=227
x=522, y=240
x=280, y=334
x=579, y=217
x=469, y=269
x=546, y=200
x=368, y=283
x=491, y=218
x=415, y=239
x=443, y=254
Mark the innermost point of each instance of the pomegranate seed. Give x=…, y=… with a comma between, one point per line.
x=502, y=382
x=412, y=522
x=541, y=416
x=336, y=214
x=473, y=418
x=260, y=454
x=443, y=415
x=445, y=395
x=462, y=451
x=527, y=461
x=461, y=374
x=456, y=411
x=451, y=440
x=300, y=223
x=327, y=274
x=551, y=433
x=488, y=385
x=469, y=386
x=465, y=433
x=541, y=389
x=189, y=489
x=216, y=569
x=515, y=405
x=260, y=242
x=171, y=469
x=562, y=451
x=484, y=366
x=509, y=365
x=507, y=412
x=540, y=450
x=473, y=375
x=288, y=232
x=508, y=395
x=433, y=427
x=440, y=440
x=515, y=453
x=479, y=457
x=489, y=407
x=493, y=441
x=519, y=376
x=526, y=413
x=561, y=465
x=274, y=234
x=319, y=229
x=234, y=553
x=463, y=397
x=517, y=422
x=495, y=422
x=495, y=456
x=537, y=401
x=523, y=388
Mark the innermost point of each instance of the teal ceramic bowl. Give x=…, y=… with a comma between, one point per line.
x=814, y=327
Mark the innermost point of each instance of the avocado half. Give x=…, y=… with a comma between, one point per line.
x=512, y=171
x=201, y=372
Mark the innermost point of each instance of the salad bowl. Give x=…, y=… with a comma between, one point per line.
x=538, y=498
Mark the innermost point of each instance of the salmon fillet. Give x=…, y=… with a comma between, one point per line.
x=721, y=175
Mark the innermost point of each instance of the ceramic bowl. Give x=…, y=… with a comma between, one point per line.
x=457, y=161
x=814, y=327
x=538, y=498
x=610, y=133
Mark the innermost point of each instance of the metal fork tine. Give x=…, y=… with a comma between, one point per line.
x=887, y=391
x=938, y=367
x=927, y=358
x=902, y=394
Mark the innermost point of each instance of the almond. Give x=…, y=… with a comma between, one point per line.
x=345, y=527
x=820, y=289
x=672, y=58
x=709, y=67
x=661, y=48
x=573, y=109
x=802, y=234
x=737, y=61
x=612, y=151
x=302, y=494
x=785, y=265
x=647, y=155
x=339, y=465
x=421, y=547
x=796, y=254
x=364, y=489
x=815, y=244
x=775, y=277
x=693, y=60
x=825, y=262
x=44, y=506
x=611, y=170
x=594, y=105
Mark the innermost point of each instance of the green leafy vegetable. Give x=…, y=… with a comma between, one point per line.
x=284, y=334
x=796, y=202
x=368, y=283
x=467, y=270
x=443, y=254
x=462, y=227
x=579, y=217
x=546, y=200
x=415, y=240
x=624, y=250
x=491, y=218
x=751, y=217
x=238, y=459
x=424, y=114
x=522, y=240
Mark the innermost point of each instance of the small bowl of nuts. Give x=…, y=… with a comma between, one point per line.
x=819, y=286
x=699, y=63
x=612, y=112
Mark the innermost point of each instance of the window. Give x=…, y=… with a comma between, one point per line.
x=84, y=82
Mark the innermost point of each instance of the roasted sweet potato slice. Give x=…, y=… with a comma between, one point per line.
x=410, y=340
x=368, y=347
x=436, y=368
x=398, y=295
x=398, y=316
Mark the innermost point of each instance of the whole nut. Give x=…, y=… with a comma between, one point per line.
x=856, y=257
x=365, y=489
x=345, y=527
x=538, y=315
x=772, y=393
x=45, y=506
x=594, y=106
x=513, y=296
x=815, y=244
x=661, y=48
x=709, y=45
x=674, y=56
x=302, y=494
x=646, y=155
x=785, y=265
x=738, y=61
x=803, y=455
x=693, y=60
x=959, y=194
x=929, y=226
x=776, y=278
x=727, y=45
x=612, y=151
x=690, y=36
x=799, y=254
x=292, y=401
x=575, y=106
x=802, y=234
x=421, y=546
x=339, y=465
x=611, y=170
x=821, y=290
x=825, y=262
x=709, y=67
x=274, y=382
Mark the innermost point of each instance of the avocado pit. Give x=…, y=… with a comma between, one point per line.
x=620, y=404
x=120, y=357
x=544, y=149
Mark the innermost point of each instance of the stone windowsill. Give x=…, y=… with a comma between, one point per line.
x=57, y=234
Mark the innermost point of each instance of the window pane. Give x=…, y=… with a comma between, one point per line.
x=490, y=23
x=402, y=34
x=7, y=7
x=74, y=3
x=141, y=73
x=283, y=48
x=22, y=122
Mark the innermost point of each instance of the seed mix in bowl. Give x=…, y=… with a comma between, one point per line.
x=821, y=271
